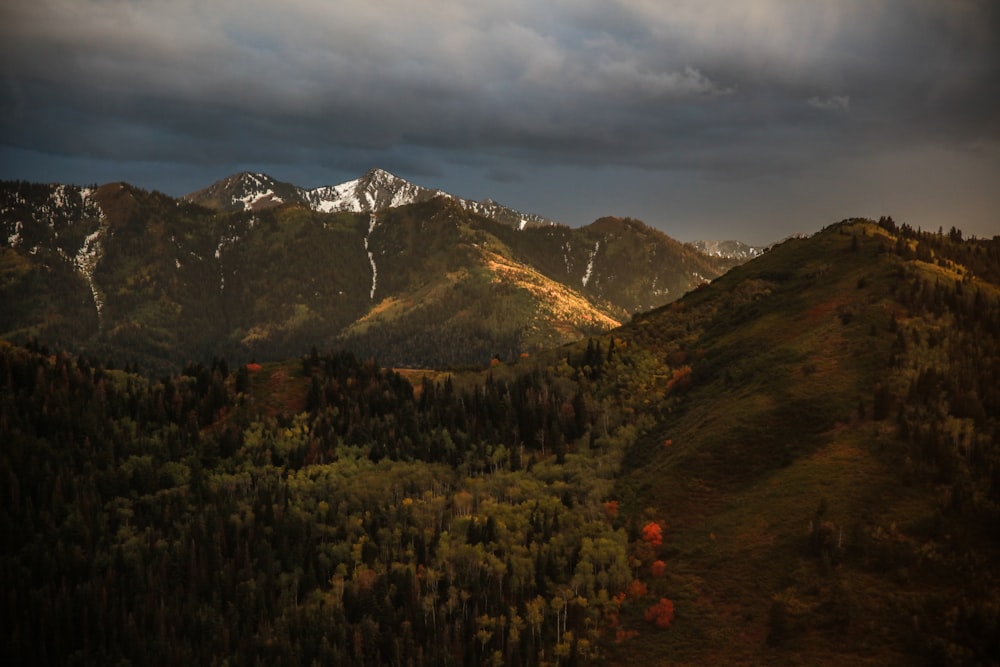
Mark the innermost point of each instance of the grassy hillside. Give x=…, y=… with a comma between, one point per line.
x=455, y=291
x=805, y=522
x=618, y=261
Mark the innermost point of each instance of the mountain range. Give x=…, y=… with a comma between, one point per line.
x=253, y=267
x=375, y=191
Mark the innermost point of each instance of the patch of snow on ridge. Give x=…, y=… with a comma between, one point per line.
x=331, y=198
x=372, y=221
x=14, y=240
x=369, y=195
x=590, y=263
x=729, y=249
x=250, y=199
x=59, y=201
x=403, y=196
x=86, y=260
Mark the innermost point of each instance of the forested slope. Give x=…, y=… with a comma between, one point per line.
x=322, y=510
x=797, y=464
x=832, y=474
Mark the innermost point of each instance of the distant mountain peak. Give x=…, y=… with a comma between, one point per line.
x=376, y=190
x=245, y=191
x=380, y=173
x=729, y=249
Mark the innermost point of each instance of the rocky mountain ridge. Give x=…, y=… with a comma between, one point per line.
x=730, y=249
x=392, y=273
x=376, y=190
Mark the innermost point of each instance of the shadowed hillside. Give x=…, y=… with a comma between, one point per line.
x=828, y=471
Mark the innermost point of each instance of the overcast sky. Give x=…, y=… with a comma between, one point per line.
x=748, y=119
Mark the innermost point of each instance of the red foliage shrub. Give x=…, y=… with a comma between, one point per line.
x=661, y=614
x=253, y=368
x=637, y=589
x=652, y=534
x=611, y=509
x=658, y=568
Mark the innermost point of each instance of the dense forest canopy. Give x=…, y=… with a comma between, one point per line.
x=594, y=503
x=188, y=519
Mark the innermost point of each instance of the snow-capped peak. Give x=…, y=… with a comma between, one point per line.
x=246, y=191
x=375, y=191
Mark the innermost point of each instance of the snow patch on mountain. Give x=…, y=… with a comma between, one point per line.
x=14, y=239
x=92, y=250
x=590, y=263
x=729, y=249
x=86, y=261
x=372, y=221
x=331, y=198
x=251, y=199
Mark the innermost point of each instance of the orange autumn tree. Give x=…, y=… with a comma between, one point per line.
x=637, y=589
x=661, y=614
x=658, y=568
x=652, y=534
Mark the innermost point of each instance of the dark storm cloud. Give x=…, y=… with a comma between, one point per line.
x=721, y=90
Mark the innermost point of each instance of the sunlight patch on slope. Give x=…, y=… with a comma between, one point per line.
x=562, y=303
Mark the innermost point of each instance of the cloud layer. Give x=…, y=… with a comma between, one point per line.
x=507, y=89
